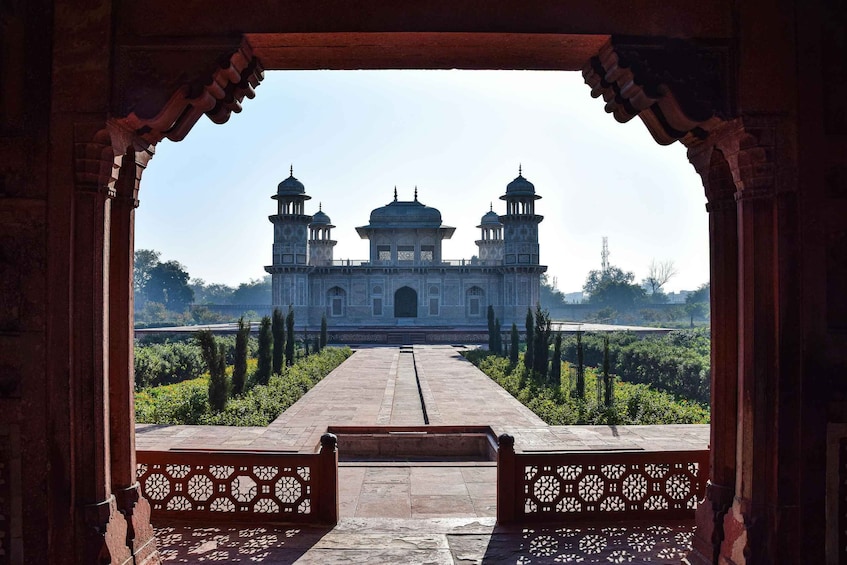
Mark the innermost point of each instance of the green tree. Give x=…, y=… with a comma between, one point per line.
x=613, y=288
x=289, y=338
x=697, y=303
x=607, y=378
x=530, y=323
x=239, y=371
x=257, y=291
x=168, y=284
x=498, y=338
x=278, y=331
x=550, y=296
x=541, y=342
x=323, y=332
x=556, y=364
x=215, y=356
x=515, y=345
x=212, y=293
x=580, y=368
x=144, y=261
x=265, y=361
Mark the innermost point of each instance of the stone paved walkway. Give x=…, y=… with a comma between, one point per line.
x=414, y=512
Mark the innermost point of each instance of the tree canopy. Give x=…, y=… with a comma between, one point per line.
x=167, y=283
x=613, y=288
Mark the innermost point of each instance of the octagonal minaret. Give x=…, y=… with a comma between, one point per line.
x=520, y=223
x=289, y=271
x=521, y=268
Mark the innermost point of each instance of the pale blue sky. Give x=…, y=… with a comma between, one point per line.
x=459, y=136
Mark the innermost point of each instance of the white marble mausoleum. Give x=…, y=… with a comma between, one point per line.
x=405, y=281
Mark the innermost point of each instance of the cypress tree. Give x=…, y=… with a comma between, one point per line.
x=289, y=337
x=556, y=365
x=541, y=337
x=323, y=332
x=580, y=368
x=491, y=329
x=515, y=345
x=215, y=357
x=530, y=323
x=305, y=343
x=498, y=339
x=317, y=345
x=607, y=378
x=264, y=366
x=278, y=331
x=239, y=371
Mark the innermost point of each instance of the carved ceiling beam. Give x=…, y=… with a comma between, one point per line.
x=216, y=94
x=679, y=89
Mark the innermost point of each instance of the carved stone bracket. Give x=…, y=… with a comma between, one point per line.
x=100, y=152
x=236, y=77
x=678, y=88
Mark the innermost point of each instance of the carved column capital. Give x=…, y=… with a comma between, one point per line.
x=680, y=89
x=99, y=153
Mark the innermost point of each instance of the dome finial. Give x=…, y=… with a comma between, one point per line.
x=491, y=206
x=416, y=193
x=291, y=170
x=320, y=206
x=520, y=172
x=395, y=193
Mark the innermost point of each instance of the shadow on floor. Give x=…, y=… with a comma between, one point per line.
x=436, y=541
x=620, y=543
x=236, y=544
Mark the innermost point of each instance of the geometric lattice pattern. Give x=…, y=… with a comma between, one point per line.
x=275, y=487
x=611, y=484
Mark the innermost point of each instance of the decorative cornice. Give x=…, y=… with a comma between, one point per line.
x=678, y=88
x=236, y=77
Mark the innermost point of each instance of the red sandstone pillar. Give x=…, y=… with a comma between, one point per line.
x=140, y=534
x=327, y=491
x=101, y=531
x=723, y=248
x=762, y=525
x=507, y=495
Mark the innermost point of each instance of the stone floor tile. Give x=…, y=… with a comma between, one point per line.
x=428, y=506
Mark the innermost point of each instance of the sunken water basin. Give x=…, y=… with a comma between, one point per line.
x=415, y=443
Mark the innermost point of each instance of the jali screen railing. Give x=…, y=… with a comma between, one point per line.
x=241, y=486
x=598, y=485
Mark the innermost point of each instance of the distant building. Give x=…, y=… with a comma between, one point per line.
x=405, y=280
x=678, y=297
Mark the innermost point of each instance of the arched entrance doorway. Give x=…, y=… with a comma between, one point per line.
x=405, y=303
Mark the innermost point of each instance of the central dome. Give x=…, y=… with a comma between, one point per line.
x=399, y=214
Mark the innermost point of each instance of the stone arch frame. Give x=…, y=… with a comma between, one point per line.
x=762, y=199
x=474, y=301
x=336, y=302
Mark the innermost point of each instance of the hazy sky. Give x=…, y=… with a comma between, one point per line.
x=459, y=136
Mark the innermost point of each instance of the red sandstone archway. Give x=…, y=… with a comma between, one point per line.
x=681, y=92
